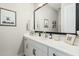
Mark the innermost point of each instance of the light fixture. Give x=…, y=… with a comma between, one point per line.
x=41, y=4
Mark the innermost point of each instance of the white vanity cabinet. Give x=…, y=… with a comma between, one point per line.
x=54, y=52
x=35, y=46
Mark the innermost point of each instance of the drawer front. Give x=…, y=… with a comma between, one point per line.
x=39, y=46
x=54, y=52
x=38, y=49
x=38, y=52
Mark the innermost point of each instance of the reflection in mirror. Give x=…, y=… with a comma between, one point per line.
x=55, y=17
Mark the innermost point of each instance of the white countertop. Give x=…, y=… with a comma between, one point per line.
x=60, y=45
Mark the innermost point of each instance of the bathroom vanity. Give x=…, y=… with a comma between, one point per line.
x=53, y=18
x=40, y=46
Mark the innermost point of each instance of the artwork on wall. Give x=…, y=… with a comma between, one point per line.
x=54, y=24
x=70, y=39
x=46, y=23
x=7, y=17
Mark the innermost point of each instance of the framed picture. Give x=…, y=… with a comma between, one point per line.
x=45, y=23
x=70, y=39
x=7, y=17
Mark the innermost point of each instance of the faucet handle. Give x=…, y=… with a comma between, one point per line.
x=39, y=34
x=50, y=36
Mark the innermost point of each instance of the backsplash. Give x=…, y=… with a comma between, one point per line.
x=58, y=37
x=77, y=41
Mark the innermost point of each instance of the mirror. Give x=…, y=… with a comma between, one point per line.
x=55, y=17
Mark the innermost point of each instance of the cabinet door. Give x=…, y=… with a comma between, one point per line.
x=30, y=53
x=54, y=52
x=26, y=46
x=38, y=49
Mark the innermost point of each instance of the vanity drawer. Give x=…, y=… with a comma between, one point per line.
x=38, y=52
x=38, y=49
x=55, y=52
x=39, y=45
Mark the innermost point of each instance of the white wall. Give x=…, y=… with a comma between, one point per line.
x=59, y=20
x=11, y=37
x=68, y=17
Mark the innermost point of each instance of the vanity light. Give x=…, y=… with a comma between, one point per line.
x=40, y=4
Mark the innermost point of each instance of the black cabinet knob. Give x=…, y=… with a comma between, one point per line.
x=34, y=51
x=54, y=54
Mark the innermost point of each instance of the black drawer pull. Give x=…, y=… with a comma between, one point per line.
x=34, y=52
x=54, y=54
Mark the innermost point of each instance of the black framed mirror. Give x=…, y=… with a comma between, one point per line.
x=57, y=18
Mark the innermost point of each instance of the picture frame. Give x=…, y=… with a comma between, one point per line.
x=70, y=39
x=45, y=23
x=7, y=17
